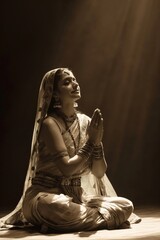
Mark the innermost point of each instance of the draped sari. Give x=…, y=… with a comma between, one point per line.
x=88, y=205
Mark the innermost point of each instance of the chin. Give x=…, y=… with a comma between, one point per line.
x=76, y=96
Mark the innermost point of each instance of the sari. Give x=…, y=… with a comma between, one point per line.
x=89, y=203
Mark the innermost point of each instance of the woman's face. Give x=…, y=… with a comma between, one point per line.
x=68, y=88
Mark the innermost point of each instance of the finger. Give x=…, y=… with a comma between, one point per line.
x=101, y=123
x=99, y=116
x=101, y=130
x=94, y=117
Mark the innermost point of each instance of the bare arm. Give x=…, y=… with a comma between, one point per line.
x=99, y=164
x=52, y=136
x=55, y=144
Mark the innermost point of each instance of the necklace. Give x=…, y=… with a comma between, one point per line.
x=76, y=147
x=68, y=120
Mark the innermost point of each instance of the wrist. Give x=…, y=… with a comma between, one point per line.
x=94, y=143
x=86, y=151
x=98, y=152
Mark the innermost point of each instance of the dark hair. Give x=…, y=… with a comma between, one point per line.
x=57, y=78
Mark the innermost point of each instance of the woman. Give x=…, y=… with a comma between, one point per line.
x=66, y=188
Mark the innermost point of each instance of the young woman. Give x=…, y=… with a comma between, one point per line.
x=66, y=188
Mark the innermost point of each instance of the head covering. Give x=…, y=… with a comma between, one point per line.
x=90, y=182
x=44, y=99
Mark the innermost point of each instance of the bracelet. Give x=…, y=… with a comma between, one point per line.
x=98, y=152
x=86, y=150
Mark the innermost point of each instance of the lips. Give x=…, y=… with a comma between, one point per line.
x=75, y=91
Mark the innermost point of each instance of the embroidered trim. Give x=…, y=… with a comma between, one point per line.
x=49, y=181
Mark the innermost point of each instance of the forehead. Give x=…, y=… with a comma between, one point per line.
x=67, y=73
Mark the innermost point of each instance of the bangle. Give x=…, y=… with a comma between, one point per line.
x=98, y=152
x=86, y=150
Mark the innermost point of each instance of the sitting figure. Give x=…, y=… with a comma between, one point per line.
x=66, y=187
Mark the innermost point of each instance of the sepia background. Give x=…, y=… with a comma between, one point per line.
x=113, y=48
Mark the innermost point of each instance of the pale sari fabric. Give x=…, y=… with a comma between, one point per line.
x=74, y=208
x=94, y=205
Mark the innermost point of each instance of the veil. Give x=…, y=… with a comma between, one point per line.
x=16, y=218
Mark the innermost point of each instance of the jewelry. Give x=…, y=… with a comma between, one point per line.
x=86, y=150
x=68, y=120
x=98, y=152
x=56, y=105
x=76, y=147
x=56, y=102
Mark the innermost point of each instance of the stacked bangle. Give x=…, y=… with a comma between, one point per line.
x=86, y=150
x=98, y=153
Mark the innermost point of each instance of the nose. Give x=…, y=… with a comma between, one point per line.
x=75, y=84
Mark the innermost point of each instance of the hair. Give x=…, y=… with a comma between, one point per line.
x=57, y=77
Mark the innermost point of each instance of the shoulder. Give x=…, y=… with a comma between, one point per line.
x=51, y=123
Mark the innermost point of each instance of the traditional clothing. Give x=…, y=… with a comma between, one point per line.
x=54, y=202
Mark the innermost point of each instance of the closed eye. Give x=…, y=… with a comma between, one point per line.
x=68, y=80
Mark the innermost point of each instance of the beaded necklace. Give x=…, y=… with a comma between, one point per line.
x=69, y=120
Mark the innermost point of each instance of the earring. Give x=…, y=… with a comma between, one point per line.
x=75, y=104
x=57, y=103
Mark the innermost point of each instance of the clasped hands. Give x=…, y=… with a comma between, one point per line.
x=95, y=131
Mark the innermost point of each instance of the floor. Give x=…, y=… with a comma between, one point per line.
x=148, y=229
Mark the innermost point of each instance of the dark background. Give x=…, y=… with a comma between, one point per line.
x=113, y=48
